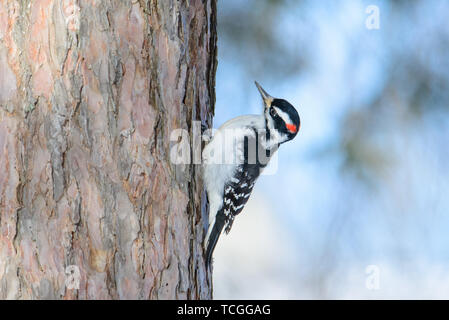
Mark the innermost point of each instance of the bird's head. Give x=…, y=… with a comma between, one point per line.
x=282, y=119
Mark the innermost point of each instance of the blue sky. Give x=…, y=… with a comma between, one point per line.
x=327, y=225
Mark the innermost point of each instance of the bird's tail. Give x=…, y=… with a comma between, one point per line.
x=217, y=228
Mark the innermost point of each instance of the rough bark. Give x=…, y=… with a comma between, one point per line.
x=90, y=92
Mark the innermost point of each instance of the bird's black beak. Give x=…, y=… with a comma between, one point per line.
x=267, y=99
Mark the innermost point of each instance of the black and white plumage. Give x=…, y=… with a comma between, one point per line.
x=235, y=157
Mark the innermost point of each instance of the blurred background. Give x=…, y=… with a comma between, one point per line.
x=359, y=204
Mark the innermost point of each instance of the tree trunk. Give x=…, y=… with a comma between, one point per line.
x=90, y=91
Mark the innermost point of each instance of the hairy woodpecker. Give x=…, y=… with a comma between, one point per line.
x=235, y=156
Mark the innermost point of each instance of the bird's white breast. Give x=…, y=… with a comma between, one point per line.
x=223, y=154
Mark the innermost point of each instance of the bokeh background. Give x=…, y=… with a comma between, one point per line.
x=365, y=183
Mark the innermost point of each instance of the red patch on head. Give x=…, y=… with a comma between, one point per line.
x=291, y=127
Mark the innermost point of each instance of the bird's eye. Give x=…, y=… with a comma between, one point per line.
x=273, y=112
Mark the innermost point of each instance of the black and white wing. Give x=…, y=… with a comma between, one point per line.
x=236, y=192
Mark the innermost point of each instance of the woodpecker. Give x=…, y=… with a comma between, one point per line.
x=236, y=155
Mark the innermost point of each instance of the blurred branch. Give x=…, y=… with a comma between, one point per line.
x=251, y=34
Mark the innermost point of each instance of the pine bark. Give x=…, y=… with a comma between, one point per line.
x=90, y=92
